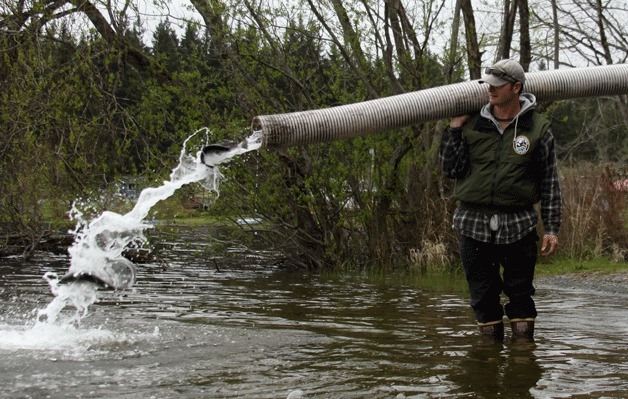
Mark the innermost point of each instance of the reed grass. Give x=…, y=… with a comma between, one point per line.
x=594, y=214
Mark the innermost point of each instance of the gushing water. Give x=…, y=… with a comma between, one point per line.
x=96, y=255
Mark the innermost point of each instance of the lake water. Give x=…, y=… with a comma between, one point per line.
x=195, y=326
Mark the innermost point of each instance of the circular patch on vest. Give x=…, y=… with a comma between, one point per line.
x=521, y=144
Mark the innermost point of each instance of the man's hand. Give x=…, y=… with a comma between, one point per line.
x=550, y=243
x=458, y=121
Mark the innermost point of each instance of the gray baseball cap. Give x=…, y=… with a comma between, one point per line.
x=504, y=71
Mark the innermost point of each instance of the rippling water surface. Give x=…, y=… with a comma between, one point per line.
x=198, y=327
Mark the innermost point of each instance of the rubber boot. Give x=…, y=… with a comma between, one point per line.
x=493, y=330
x=522, y=329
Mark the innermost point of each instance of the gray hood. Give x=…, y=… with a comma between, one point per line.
x=527, y=101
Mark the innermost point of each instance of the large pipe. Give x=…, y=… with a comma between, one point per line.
x=359, y=119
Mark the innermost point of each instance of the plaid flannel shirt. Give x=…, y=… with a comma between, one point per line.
x=513, y=226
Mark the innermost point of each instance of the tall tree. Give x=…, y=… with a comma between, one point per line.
x=509, y=15
x=166, y=46
x=556, y=35
x=474, y=54
x=525, y=45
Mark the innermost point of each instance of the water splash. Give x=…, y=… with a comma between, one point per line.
x=98, y=246
x=80, y=296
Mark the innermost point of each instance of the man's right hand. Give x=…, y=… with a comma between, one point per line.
x=457, y=121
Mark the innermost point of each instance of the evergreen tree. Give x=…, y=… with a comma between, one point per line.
x=165, y=46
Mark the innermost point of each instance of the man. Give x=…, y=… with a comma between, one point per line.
x=503, y=161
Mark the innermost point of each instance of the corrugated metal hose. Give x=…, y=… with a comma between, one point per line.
x=375, y=116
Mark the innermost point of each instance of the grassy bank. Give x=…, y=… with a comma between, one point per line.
x=556, y=265
x=563, y=265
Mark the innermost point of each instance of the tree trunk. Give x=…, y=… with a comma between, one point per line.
x=508, y=24
x=453, y=48
x=556, y=28
x=474, y=56
x=603, y=40
x=354, y=64
x=116, y=39
x=524, y=35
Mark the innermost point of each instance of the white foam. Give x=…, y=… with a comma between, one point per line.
x=51, y=336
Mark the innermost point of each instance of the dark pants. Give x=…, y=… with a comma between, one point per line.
x=482, y=261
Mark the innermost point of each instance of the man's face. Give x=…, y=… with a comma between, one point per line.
x=502, y=96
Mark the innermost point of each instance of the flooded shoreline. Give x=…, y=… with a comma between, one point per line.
x=595, y=282
x=244, y=330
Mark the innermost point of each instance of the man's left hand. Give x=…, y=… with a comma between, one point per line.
x=550, y=243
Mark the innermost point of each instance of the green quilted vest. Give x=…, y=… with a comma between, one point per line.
x=503, y=173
